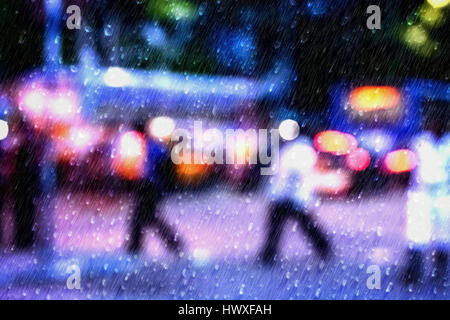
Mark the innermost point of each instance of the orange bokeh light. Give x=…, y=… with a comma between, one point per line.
x=190, y=172
x=191, y=169
x=130, y=159
x=335, y=142
x=370, y=98
x=399, y=161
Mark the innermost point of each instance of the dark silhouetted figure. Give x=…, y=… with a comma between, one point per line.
x=280, y=212
x=290, y=196
x=150, y=191
x=26, y=190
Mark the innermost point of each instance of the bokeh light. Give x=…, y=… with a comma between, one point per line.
x=371, y=98
x=130, y=158
x=358, y=159
x=399, y=161
x=3, y=129
x=161, y=127
x=335, y=142
x=289, y=129
x=416, y=36
x=438, y=3
x=117, y=77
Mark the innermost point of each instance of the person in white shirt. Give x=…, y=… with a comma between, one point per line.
x=428, y=206
x=291, y=192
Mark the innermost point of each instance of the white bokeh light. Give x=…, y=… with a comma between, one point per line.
x=3, y=129
x=289, y=129
x=161, y=127
x=117, y=77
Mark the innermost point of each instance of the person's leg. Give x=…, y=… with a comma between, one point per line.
x=316, y=235
x=148, y=199
x=136, y=234
x=414, y=265
x=277, y=217
x=168, y=235
x=45, y=217
x=418, y=233
x=24, y=220
x=142, y=215
x=441, y=231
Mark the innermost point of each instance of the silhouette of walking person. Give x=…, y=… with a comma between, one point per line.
x=428, y=205
x=290, y=194
x=157, y=183
x=26, y=190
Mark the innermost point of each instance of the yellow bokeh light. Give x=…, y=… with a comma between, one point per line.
x=416, y=36
x=400, y=161
x=370, y=98
x=431, y=16
x=335, y=142
x=438, y=3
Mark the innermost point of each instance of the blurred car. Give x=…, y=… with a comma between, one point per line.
x=372, y=126
x=90, y=108
x=170, y=63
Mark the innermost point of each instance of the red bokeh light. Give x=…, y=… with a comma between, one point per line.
x=358, y=159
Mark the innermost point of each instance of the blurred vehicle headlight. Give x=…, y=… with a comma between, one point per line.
x=74, y=140
x=63, y=105
x=130, y=155
x=191, y=169
x=399, y=161
x=358, y=159
x=82, y=137
x=32, y=101
x=192, y=172
x=335, y=142
x=371, y=98
x=289, y=129
x=41, y=104
x=161, y=127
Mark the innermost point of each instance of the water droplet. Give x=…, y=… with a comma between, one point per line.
x=108, y=30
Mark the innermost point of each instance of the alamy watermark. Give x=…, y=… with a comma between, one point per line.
x=240, y=147
x=74, y=280
x=372, y=22
x=374, y=280
x=74, y=19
